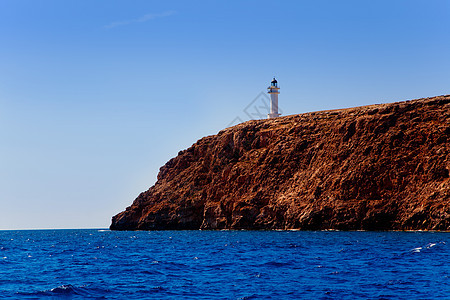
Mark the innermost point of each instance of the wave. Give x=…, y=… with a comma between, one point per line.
x=68, y=290
x=277, y=264
x=427, y=247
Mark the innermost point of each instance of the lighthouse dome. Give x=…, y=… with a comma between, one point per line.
x=274, y=80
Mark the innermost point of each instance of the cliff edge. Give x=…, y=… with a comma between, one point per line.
x=377, y=167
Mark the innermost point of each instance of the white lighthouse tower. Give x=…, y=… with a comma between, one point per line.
x=273, y=90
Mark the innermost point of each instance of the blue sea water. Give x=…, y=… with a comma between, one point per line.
x=102, y=264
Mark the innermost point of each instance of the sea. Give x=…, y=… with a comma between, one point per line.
x=104, y=264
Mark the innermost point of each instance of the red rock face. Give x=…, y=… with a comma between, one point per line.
x=378, y=167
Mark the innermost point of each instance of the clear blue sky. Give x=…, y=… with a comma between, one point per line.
x=95, y=96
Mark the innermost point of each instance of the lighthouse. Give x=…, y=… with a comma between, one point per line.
x=273, y=90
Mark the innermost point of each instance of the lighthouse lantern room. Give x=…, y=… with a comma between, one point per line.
x=273, y=90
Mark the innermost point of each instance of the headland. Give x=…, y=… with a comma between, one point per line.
x=376, y=167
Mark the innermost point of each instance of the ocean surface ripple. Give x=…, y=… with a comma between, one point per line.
x=103, y=264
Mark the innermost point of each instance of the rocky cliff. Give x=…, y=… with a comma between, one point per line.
x=378, y=167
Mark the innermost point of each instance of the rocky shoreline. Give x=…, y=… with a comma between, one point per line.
x=377, y=167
